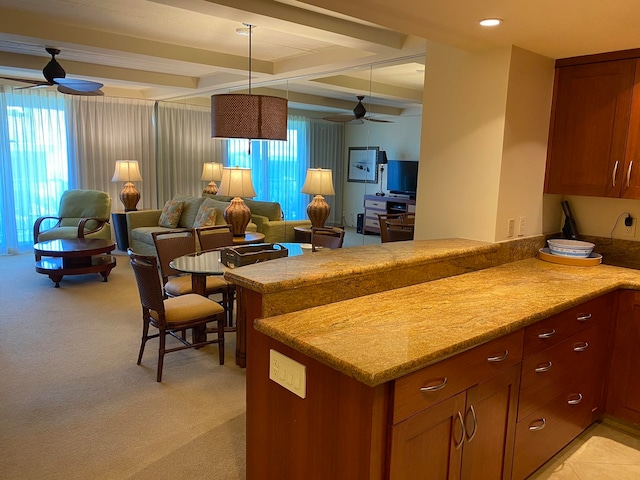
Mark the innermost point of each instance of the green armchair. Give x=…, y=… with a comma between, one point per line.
x=81, y=214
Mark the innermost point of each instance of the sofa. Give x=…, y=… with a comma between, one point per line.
x=266, y=218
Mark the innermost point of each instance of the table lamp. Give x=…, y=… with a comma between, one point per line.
x=381, y=161
x=211, y=172
x=127, y=171
x=319, y=182
x=236, y=182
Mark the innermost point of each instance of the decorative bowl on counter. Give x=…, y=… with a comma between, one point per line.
x=570, y=248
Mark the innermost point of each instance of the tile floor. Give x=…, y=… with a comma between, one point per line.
x=602, y=452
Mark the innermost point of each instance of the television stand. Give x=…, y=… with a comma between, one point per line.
x=376, y=204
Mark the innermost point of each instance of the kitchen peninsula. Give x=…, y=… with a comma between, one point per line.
x=363, y=356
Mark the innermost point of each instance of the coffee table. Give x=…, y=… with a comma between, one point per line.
x=76, y=256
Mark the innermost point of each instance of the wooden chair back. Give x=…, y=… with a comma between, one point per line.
x=145, y=269
x=324, y=237
x=170, y=245
x=396, y=227
x=214, y=237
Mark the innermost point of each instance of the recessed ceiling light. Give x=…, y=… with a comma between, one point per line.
x=490, y=22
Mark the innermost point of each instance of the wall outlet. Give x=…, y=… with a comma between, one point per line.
x=629, y=231
x=511, y=227
x=521, y=227
x=287, y=372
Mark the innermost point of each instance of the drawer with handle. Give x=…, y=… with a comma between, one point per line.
x=570, y=363
x=547, y=430
x=419, y=390
x=375, y=205
x=557, y=328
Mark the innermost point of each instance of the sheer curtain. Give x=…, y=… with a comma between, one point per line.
x=34, y=169
x=279, y=168
x=326, y=147
x=184, y=144
x=106, y=129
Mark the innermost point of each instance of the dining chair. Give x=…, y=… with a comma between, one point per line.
x=173, y=315
x=396, y=227
x=212, y=238
x=325, y=237
x=176, y=243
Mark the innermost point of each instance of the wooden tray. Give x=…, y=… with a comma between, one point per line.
x=233, y=257
x=590, y=261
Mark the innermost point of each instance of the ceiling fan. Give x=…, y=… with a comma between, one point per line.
x=358, y=117
x=54, y=74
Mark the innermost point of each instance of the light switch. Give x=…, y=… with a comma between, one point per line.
x=288, y=373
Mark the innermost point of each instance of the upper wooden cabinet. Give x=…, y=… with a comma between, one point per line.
x=594, y=142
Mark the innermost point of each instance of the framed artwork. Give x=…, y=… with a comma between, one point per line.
x=362, y=166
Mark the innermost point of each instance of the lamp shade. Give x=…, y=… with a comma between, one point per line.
x=211, y=171
x=256, y=117
x=126, y=171
x=236, y=182
x=319, y=181
x=382, y=158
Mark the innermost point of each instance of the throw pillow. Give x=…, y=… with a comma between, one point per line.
x=205, y=217
x=170, y=215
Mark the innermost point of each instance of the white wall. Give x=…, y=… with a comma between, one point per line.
x=597, y=216
x=483, y=142
x=525, y=144
x=462, y=136
x=401, y=141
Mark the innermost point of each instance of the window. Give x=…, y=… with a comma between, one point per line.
x=34, y=166
x=278, y=169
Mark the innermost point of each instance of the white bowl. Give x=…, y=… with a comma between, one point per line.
x=306, y=247
x=570, y=248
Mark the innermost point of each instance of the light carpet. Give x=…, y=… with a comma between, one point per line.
x=74, y=404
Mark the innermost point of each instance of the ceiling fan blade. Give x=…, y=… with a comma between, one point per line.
x=36, y=83
x=71, y=91
x=339, y=118
x=378, y=120
x=79, y=85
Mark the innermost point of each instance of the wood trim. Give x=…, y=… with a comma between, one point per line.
x=598, y=57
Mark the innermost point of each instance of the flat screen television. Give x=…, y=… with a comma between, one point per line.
x=402, y=177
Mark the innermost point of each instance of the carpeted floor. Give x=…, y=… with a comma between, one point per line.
x=74, y=404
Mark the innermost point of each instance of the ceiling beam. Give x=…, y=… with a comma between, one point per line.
x=337, y=30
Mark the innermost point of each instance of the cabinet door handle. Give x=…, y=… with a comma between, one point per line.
x=576, y=400
x=544, y=368
x=615, y=172
x=547, y=334
x=499, y=358
x=435, y=388
x=538, y=425
x=475, y=423
x=583, y=317
x=464, y=433
x=629, y=174
x=580, y=347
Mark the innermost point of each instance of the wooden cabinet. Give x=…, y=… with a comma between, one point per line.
x=456, y=419
x=561, y=388
x=624, y=389
x=594, y=142
x=374, y=205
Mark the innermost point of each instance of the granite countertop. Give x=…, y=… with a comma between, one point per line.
x=380, y=337
x=321, y=267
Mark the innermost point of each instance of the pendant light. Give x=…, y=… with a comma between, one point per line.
x=255, y=117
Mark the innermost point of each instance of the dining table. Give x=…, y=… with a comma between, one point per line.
x=209, y=262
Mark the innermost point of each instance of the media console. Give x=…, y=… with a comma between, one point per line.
x=374, y=205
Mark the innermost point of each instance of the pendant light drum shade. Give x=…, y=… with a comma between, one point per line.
x=256, y=117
